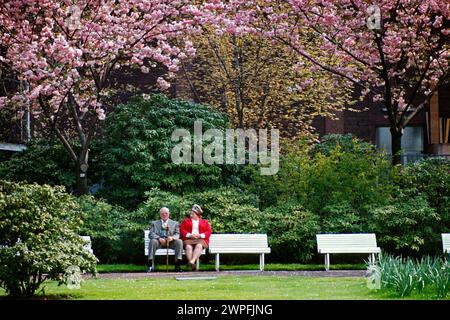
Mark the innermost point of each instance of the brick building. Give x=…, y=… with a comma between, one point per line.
x=427, y=134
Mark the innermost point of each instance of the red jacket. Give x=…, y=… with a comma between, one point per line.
x=203, y=227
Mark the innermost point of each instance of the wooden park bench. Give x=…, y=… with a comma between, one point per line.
x=239, y=243
x=161, y=252
x=446, y=243
x=347, y=243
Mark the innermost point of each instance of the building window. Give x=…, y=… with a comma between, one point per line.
x=412, y=140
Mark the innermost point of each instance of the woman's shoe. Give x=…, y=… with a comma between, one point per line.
x=192, y=265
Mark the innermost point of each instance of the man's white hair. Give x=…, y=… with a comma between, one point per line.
x=164, y=208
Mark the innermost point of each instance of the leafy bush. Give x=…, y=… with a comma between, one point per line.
x=230, y=210
x=42, y=163
x=137, y=151
x=405, y=275
x=105, y=224
x=404, y=225
x=47, y=162
x=148, y=211
x=430, y=178
x=342, y=218
x=346, y=142
x=38, y=237
x=291, y=230
x=319, y=180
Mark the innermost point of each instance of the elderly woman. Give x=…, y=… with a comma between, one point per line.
x=195, y=233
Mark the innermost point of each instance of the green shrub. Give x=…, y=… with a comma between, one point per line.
x=291, y=230
x=148, y=211
x=430, y=178
x=42, y=163
x=47, y=162
x=229, y=210
x=318, y=181
x=346, y=142
x=106, y=225
x=38, y=237
x=137, y=151
x=342, y=218
x=404, y=225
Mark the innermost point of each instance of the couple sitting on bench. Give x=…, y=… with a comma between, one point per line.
x=193, y=231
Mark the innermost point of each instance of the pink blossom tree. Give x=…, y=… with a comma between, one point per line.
x=64, y=53
x=395, y=51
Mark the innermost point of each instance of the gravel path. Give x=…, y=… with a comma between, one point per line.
x=138, y=275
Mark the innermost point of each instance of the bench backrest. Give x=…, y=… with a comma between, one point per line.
x=346, y=240
x=446, y=242
x=232, y=241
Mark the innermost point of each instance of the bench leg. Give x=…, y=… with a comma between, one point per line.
x=261, y=262
x=198, y=264
x=327, y=262
x=153, y=263
x=217, y=262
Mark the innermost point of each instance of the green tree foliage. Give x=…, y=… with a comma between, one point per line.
x=42, y=163
x=137, y=152
x=431, y=178
x=230, y=210
x=46, y=162
x=291, y=230
x=405, y=225
x=38, y=237
x=105, y=224
x=347, y=143
x=342, y=218
x=319, y=180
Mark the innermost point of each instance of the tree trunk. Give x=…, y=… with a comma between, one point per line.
x=396, y=145
x=82, y=170
x=82, y=187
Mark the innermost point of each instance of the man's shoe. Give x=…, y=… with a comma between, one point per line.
x=178, y=264
x=150, y=269
x=178, y=268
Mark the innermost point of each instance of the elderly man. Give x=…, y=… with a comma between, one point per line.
x=165, y=232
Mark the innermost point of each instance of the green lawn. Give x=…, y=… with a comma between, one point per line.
x=210, y=267
x=243, y=287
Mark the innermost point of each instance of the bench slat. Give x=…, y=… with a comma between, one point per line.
x=239, y=250
x=351, y=250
